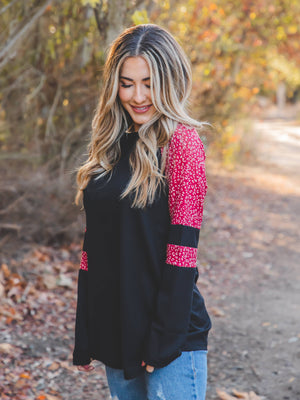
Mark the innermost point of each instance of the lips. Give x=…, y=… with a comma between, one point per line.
x=141, y=110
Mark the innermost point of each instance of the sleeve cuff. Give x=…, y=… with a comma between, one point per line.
x=81, y=357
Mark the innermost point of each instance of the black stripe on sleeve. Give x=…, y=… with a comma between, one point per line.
x=182, y=235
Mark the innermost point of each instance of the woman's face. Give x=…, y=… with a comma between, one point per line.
x=134, y=90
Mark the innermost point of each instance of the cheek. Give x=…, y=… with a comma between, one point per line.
x=124, y=94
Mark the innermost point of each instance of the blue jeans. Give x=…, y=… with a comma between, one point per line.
x=183, y=379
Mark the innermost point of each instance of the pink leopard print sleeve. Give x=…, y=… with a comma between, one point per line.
x=84, y=261
x=84, y=256
x=185, y=171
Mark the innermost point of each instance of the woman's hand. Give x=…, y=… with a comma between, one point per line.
x=85, y=368
x=149, y=368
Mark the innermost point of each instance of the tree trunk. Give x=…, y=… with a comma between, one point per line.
x=116, y=19
x=281, y=95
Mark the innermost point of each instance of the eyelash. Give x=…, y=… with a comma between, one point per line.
x=128, y=86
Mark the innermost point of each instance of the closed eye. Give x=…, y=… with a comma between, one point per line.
x=125, y=86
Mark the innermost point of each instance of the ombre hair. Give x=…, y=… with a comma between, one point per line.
x=170, y=80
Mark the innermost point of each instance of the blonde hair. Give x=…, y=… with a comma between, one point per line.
x=170, y=80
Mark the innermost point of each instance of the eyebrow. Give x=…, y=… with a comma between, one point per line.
x=131, y=80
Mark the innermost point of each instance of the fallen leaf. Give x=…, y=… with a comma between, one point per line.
x=54, y=366
x=25, y=375
x=49, y=281
x=65, y=281
x=240, y=395
x=5, y=270
x=2, y=289
x=67, y=366
x=7, y=348
x=266, y=324
x=217, y=312
x=51, y=397
x=40, y=255
x=253, y=396
x=12, y=314
x=224, y=396
x=237, y=395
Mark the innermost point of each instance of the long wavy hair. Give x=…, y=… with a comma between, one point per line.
x=170, y=80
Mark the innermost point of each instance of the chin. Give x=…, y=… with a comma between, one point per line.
x=141, y=121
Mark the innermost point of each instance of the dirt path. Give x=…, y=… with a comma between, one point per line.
x=251, y=270
x=249, y=276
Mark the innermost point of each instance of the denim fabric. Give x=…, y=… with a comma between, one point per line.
x=183, y=379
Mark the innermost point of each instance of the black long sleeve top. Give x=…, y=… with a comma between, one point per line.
x=137, y=293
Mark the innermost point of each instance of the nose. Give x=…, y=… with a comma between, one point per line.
x=139, y=94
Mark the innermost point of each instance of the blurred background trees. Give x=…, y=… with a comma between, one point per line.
x=244, y=53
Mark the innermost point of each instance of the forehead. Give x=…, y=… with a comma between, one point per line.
x=135, y=68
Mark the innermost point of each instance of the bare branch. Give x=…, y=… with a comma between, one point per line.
x=50, y=125
x=21, y=35
x=12, y=205
x=11, y=227
x=101, y=21
x=98, y=21
x=37, y=89
x=8, y=6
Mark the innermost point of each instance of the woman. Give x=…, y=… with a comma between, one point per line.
x=139, y=310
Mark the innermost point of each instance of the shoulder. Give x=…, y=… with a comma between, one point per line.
x=186, y=141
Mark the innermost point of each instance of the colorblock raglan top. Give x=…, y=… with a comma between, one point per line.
x=137, y=294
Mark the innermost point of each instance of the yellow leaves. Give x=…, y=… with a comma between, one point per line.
x=221, y=12
x=292, y=29
x=252, y=15
x=243, y=92
x=284, y=68
x=165, y=5
x=182, y=28
x=213, y=7
x=92, y=3
x=65, y=102
x=206, y=71
x=140, y=17
x=205, y=12
x=280, y=34
x=228, y=146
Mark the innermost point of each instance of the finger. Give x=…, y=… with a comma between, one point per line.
x=88, y=368
x=85, y=368
x=149, y=369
